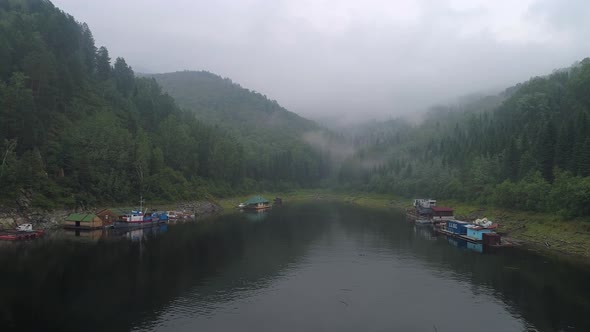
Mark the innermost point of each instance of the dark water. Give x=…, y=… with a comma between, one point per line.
x=306, y=267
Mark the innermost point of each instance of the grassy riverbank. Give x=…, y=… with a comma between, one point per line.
x=541, y=231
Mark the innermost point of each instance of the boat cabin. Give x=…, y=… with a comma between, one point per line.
x=110, y=215
x=83, y=221
x=457, y=227
x=257, y=203
x=442, y=213
x=424, y=203
x=159, y=215
x=477, y=232
x=132, y=216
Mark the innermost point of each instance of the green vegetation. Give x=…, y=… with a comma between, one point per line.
x=541, y=231
x=271, y=136
x=78, y=130
x=526, y=149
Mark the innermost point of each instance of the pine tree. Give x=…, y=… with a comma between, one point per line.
x=124, y=77
x=103, y=64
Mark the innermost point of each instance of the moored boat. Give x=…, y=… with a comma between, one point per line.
x=484, y=234
x=172, y=215
x=422, y=209
x=257, y=203
x=22, y=232
x=83, y=221
x=139, y=219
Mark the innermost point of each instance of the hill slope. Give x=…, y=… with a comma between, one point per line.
x=530, y=151
x=272, y=136
x=79, y=129
x=220, y=101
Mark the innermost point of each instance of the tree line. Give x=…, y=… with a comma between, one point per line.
x=79, y=128
x=527, y=148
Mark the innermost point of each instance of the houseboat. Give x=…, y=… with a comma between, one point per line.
x=110, y=215
x=421, y=210
x=442, y=213
x=83, y=221
x=138, y=219
x=257, y=203
x=473, y=233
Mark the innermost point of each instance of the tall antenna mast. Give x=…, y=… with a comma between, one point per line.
x=141, y=201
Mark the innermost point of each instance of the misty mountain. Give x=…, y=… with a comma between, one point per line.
x=220, y=101
x=272, y=137
x=80, y=129
x=527, y=148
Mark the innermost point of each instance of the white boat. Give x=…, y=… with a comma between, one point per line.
x=172, y=215
x=25, y=228
x=423, y=222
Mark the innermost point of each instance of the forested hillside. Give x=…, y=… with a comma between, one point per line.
x=272, y=137
x=532, y=151
x=79, y=129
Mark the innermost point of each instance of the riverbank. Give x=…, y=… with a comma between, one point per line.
x=362, y=199
x=542, y=232
x=539, y=231
x=53, y=219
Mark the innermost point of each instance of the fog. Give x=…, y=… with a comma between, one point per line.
x=346, y=59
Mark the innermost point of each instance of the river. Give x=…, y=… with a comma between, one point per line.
x=300, y=267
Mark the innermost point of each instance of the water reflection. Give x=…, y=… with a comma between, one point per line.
x=255, y=215
x=300, y=267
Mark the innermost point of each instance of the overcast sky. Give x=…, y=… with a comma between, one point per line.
x=370, y=57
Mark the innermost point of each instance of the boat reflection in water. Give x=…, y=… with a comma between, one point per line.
x=134, y=234
x=339, y=267
x=255, y=215
x=143, y=233
x=85, y=235
x=462, y=244
x=425, y=232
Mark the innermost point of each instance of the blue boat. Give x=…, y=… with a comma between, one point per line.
x=457, y=227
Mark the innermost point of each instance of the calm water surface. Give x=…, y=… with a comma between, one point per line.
x=300, y=267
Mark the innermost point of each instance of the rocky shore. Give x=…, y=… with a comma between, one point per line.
x=52, y=219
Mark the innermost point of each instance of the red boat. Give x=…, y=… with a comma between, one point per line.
x=23, y=232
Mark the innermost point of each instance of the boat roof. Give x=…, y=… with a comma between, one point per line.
x=256, y=200
x=82, y=217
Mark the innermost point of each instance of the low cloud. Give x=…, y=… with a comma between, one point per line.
x=375, y=58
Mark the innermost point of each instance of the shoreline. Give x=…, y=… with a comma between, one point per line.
x=54, y=219
x=540, y=232
x=535, y=231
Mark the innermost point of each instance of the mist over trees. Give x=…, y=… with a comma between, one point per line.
x=529, y=152
x=79, y=128
x=275, y=153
